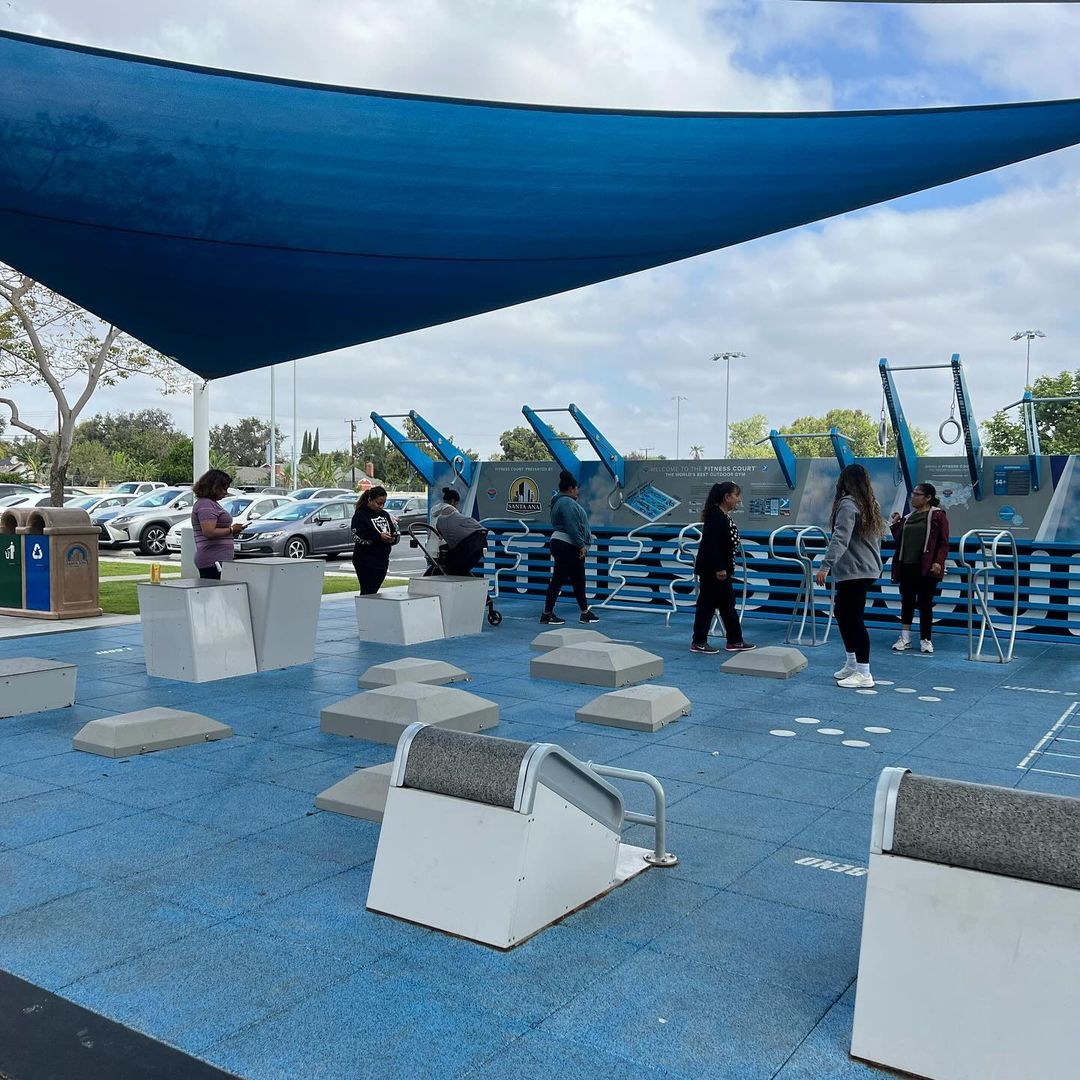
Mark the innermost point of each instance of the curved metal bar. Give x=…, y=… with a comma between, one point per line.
x=980, y=564
x=493, y=582
x=809, y=558
x=804, y=606
x=613, y=570
x=658, y=820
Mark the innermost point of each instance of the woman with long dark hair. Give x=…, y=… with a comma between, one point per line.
x=922, y=546
x=854, y=558
x=374, y=534
x=570, y=540
x=212, y=525
x=715, y=569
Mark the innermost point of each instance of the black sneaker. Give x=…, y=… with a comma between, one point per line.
x=589, y=616
x=549, y=618
x=706, y=648
x=739, y=646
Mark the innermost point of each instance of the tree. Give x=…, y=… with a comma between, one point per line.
x=143, y=435
x=1058, y=421
x=315, y=443
x=321, y=470
x=91, y=463
x=697, y=452
x=743, y=437
x=178, y=465
x=246, y=442
x=305, y=444
x=35, y=457
x=523, y=444
x=859, y=426
x=50, y=341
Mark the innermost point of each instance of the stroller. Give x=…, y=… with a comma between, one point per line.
x=458, y=561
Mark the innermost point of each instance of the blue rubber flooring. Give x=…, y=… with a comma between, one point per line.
x=198, y=895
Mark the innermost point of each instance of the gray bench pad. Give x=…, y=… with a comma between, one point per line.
x=1021, y=834
x=480, y=768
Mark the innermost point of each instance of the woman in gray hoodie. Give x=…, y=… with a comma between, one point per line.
x=570, y=539
x=854, y=558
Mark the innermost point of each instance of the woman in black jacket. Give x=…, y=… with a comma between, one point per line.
x=715, y=569
x=374, y=534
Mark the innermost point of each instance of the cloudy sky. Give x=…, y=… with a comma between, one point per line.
x=957, y=269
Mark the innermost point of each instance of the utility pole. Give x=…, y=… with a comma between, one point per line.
x=1030, y=335
x=678, y=399
x=352, y=448
x=727, y=357
x=271, y=454
x=645, y=450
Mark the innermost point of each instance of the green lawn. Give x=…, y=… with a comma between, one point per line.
x=137, y=569
x=121, y=597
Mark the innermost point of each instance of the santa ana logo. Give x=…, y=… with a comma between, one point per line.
x=76, y=557
x=524, y=497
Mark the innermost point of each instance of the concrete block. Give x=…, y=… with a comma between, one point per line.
x=597, y=663
x=395, y=618
x=411, y=669
x=381, y=715
x=29, y=685
x=284, y=596
x=770, y=662
x=147, y=730
x=639, y=708
x=361, y=794
x=463, y=601
x=556, y=639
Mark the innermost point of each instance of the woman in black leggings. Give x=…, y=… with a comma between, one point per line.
x=854, y=558
x=570, y=539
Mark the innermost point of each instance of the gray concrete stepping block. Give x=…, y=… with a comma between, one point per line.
x=361, y=794
x=381, y=715
x=770, y=662
x=147, y=730
x=556, y=639
x=639, y=708
x=29, y=685
x=597, y=663
x=411, y=669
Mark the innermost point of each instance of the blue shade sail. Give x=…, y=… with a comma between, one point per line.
x=234, y=221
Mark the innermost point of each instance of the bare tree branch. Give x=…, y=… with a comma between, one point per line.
x=21, y=424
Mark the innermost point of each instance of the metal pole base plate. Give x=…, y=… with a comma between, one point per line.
x=667, y=859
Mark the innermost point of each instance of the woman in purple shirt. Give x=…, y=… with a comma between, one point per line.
x=212, y=524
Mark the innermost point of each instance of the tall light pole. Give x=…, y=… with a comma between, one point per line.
x=727, y=357
x=271, y=450
x=678, y=399
x=352, y=448
x=295, y=440
x=1030, y=335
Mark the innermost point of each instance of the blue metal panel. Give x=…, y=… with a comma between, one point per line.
x=841, y=448
x=1031, y=430
x=972, y=444
x=411, y=452
x=909, y=461
x=145, y=190
x=611, y=459
x=785, y=457
x=38, y=581
x=457, y=459
x=562, y=453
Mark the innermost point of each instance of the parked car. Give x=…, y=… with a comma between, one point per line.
x=27, y=499
x=146, y=520
x=138, y=487
x=405, y=508
x=93, y=503
x=298, y=529
x=309, y=493
x=17, y=489
x=243, y=508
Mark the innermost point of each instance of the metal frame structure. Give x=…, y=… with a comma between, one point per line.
x=658, y=820
x=563, y=455
x=407, y=447
x=457, y=459
x=493, y=581
x=1029, y=417
x=610, y=458
x=787, y=460
x=683, y=544
x=804, y=607
x=980, y=575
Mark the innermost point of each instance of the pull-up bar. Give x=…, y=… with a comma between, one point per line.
x=457, y=459
x=785, y=456
x=609, y=457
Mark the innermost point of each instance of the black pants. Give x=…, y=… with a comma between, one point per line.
x=917, y=590
x=713, y=596
x=850, y=610
x=466, y=556
x=211, y=573
x=370, y=567
x=569, y=568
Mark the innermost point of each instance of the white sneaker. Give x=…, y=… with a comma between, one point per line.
x=901, y=645
x=855, y=681
x=926, y=646
x=843, y=673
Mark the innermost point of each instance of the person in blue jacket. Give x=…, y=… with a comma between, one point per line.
x=570, y=542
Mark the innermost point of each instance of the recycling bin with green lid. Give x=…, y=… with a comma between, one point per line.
x=59, y=564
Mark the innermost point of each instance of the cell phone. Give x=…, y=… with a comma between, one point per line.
x=649, y=502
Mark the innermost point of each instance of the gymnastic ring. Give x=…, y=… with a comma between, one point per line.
x=956, y=437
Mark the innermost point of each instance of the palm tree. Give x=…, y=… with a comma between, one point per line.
x=696, y=452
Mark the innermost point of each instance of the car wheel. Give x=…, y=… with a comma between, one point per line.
x=295, y=548
x=152, y=540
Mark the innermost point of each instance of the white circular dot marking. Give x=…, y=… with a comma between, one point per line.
x=906, y=690
x=865, y=691
x=944, y=689
x=782, y=733
x=884, y=682
x=878, y=730
x=806, y=720
x=855, y=742
x=830, y=731
x=929, y=697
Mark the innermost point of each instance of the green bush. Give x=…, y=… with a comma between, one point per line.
x=12, y=478
x=178, y=464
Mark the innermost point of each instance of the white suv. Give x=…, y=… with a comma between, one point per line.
x=138, y=487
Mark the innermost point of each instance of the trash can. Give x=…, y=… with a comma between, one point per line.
x=12, y=593
x=60, y=564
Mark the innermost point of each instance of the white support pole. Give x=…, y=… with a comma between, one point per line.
x=272, y=449
x=295, y=434
x=200, y=425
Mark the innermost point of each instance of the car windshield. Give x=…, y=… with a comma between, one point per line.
x=125, y=489
x=14, y=500
x=83, y=503
x=236, y=505
x=292, y=511
x=155, y=498
x=304, y=493
x=395, y=506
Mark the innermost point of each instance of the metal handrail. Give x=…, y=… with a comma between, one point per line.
x=493, y=581
x=804, y=606
x=980, y=589
x=658, y=820
x=682, y=544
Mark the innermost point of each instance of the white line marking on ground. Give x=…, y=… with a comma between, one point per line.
x=884, y=682
x=1054, y=772
x=830, y=731
x=1050, y=735
x=850, y=869
x=928, y=697
x=906, y=690
x=806, y=720
x=943, y=689
x=865, y=691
